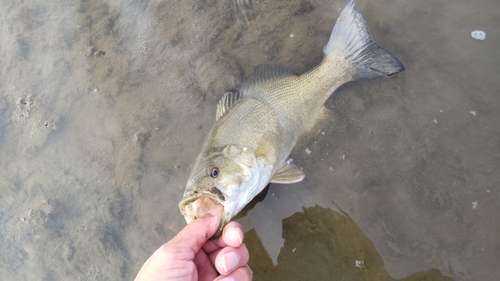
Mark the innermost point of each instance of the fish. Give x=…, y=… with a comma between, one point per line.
x=257, y=127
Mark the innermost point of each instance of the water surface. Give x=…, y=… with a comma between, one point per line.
x=104, y=106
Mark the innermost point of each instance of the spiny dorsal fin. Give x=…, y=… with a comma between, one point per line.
x=267, y=72
x=288, y=173
x=226, y=102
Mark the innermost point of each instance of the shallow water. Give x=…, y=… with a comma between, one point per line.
x=104, y=107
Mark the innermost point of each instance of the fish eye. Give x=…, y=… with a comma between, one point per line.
x=214, y=172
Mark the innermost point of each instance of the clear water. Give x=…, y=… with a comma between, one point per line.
x=104, y=106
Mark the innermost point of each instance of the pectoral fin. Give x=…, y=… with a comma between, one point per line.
x=288, y=173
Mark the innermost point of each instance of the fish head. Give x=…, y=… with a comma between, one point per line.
x=227, y=176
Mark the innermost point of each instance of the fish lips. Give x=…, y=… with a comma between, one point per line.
x=197, y=203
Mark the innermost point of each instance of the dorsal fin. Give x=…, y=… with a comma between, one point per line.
x=268, y=72
x=226, y=102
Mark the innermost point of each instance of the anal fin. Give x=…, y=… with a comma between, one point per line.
x=322, y=115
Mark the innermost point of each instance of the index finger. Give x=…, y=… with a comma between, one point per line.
x=232, y=235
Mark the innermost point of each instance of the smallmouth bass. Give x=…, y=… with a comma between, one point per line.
x=257, y=128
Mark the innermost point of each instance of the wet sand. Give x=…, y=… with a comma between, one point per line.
x=105, y=105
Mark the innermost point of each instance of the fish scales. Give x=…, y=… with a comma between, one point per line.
x=250, y=123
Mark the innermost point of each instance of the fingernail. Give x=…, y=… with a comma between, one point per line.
x=240, y=236
x=229, y=261
x=216, y=210
x=228, y=278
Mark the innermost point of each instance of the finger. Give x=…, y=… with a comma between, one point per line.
x=243, y=273
x=228, y=259
x=197, y=232
x=232, y=235
x=206, y=271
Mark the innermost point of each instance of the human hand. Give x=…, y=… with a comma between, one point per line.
x=190, y=255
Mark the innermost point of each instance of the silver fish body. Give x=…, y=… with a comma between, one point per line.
x=254, y=134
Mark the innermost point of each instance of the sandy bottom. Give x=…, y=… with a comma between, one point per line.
x=104, y=107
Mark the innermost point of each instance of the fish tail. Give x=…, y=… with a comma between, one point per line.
x=351, y=39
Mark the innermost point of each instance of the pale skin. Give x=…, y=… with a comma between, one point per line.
x=191, y=255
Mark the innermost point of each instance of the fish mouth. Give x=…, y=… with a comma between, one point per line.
x=198, y=204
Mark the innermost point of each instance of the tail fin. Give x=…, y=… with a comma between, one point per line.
x=350, y=38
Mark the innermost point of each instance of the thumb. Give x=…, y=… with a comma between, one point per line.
x=197, y=232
